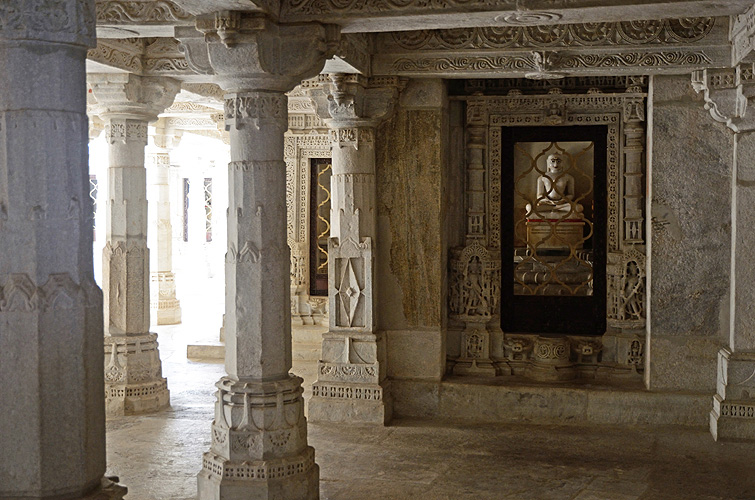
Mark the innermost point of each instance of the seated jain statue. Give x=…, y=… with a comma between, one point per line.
x=555, y=193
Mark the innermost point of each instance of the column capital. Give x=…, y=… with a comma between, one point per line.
x=727, y=92
x=247, y=51
x=129, y=96
x=349, y=101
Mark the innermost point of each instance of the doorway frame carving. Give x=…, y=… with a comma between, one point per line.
x=484, y=348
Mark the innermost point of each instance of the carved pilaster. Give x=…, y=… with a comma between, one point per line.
x=259, y=445
x=728, y=94
x=127, y=103
x=52, y=429
x=352, y=106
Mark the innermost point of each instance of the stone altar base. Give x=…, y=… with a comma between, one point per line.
x=555, y=233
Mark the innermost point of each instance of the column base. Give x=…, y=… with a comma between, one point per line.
x=108, y=490
x=475, y=367
x=732, y=420
x=733, y=413
x=133, y=376
x=292, y=478
x=166, y=311
x=351, y=403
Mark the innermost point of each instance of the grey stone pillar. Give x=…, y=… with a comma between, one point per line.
x=133, y=373
x=259, y=435
x=52, y=429
x=164, y=305
x=351, y=381
x=727, y=95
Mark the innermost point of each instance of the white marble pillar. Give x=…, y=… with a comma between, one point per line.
x=351, y=381
x=52, y=428
x=727, y=93
x=259, y=435
x=133, y=372
x=164, y=306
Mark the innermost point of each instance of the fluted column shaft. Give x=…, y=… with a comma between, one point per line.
x=52, y=429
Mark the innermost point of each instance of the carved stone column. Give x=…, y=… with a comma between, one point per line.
x=259, y=434
x=728, y=95
x=163, y=303
x=351, y=381
x=52, y=429
x=133, y=373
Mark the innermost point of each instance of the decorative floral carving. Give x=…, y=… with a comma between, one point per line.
x=255, y=107
x=54, y=20
x=140, y=12
x=688, y=30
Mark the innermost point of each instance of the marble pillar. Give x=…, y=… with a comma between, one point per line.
x=351, y=381
x=259, y=434
x=52, y=429
x=164, y=306
x=133, y=372
x=727, y=94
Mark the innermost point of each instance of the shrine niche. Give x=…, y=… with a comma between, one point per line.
x=550, y=284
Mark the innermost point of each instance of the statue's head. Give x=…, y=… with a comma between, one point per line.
x=554, y=163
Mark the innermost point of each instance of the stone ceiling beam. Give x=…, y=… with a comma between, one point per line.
x=358, y=16
x=657, y=46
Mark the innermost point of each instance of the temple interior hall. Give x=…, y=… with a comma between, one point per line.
x=377, y=249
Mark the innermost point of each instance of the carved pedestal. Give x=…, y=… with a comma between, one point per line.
x=128, y=103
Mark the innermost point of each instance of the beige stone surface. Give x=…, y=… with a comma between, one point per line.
x=690, y=234
x=415, y=354
x=409, y=165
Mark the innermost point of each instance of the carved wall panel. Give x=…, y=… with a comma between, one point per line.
x=475, y=270
x=301, y=145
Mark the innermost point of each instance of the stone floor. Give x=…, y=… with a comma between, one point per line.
x=158, y=456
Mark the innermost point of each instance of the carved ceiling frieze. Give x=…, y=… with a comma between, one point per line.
x=143, y=12
x=743, y=35
x=668, y=31
x=560, y=64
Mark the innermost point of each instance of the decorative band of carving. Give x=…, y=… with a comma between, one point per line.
x=483, y=63
x=738, y=410
x=135, y=12
x=347, y=392
x=59, y=21
x=136, y=391
x=125, y=131
x=20, y=294
x=349, y=371
x=267, y=469
x=559, y=35
x=352, y=136
x=253, y=108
